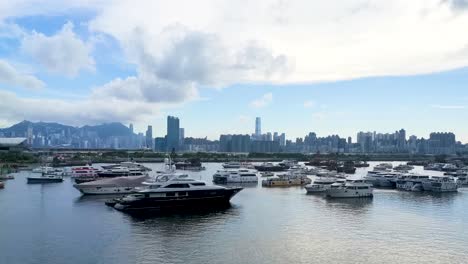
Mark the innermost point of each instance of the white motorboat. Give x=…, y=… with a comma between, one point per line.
x=383, y=167
x=235, y=176
x=411, y=182
x=384, y=179
x=118, y=185
x=43, y=169
x=320, y=184
x=231, y=165
x=352, y=188
x=444, y=184
x=403, y=167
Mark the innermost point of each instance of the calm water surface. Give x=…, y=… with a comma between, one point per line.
x=54, y=224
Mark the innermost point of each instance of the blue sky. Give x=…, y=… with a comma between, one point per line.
x=117, y=61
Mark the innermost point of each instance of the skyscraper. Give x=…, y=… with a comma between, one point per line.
x=173, y=133
x=258, y=128
x=131, y=128
x=181, y=136
x=149, y=137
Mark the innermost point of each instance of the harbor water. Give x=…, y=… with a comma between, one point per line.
x=54, y=224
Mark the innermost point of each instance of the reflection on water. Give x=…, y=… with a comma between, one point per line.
x=55, y=224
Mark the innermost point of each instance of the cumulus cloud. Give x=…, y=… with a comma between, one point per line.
x=263, y=101
x=10, y=76
x=63, y=52
x=173, y=64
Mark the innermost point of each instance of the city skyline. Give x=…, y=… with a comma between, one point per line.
x=119, y=136
x=167, y=62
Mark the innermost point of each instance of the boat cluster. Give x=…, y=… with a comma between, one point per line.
x=402, y=179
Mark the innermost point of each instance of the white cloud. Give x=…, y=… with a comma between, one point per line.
x=63, y=52
x=263, y=101
x=309, y=104
x=322, y=39
x=10, y=76
x=448, y=106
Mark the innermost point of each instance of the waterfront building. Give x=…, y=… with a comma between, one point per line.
x=181, y=136
x=258, y=128
x=149, y=137
x=173, y=133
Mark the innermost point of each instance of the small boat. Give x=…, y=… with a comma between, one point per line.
x=7, y=177
x=352, y=188
x=268, y=166
x=235, y=176
x=267, y=174
x=231, y=165
x=403, y=167
x=45, y=178
x=383, y=167
x=361, y=164
x=286, y=180
x=43, y=169
x=2, y=185
x=190, y=165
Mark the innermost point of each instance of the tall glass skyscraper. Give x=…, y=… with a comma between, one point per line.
x=258, y=127
x=173, y=133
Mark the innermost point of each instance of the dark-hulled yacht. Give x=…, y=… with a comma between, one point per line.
x=172, y=190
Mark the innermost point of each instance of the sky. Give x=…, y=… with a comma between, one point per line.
x=330, y=67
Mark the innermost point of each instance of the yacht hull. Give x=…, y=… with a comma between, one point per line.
x=194, y=199
x=44, y=180
x=105, y=190
x=343, y=193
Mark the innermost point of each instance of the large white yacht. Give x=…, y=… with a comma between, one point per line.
x=170, y=191
x=84, y=171
x=352, y=188
x=118, y=185
x=235, y=176
x=384, y=179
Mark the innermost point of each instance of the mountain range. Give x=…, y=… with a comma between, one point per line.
x=44, y=128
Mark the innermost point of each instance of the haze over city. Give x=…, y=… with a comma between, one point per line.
x=356, y=66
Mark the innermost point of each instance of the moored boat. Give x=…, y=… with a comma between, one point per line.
x=7, y=177
x=231, y=165
x=235, y=176
x=321, y=184
x=286, y=180
x=175, y=191
x=118, y=185
x=352, y=188
x=268, y=166
x=45, y=178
